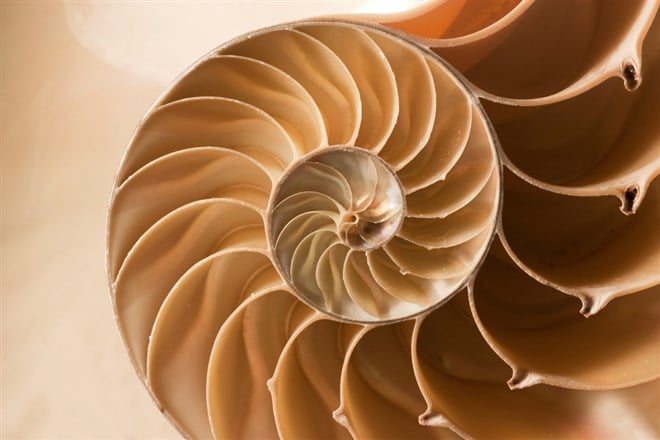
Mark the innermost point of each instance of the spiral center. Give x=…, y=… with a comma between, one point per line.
x=366, y=194
x=328, y=209
x=376, y=209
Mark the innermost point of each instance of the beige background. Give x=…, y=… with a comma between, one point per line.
x=76, y=79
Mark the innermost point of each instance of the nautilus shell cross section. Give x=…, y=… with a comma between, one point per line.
x=339, y=229
x=339, y=163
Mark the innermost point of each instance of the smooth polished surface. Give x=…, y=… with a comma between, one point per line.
x=75, y=79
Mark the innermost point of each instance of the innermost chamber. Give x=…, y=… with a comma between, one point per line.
x=377, y=203
x=328, y=211
x=367, y=194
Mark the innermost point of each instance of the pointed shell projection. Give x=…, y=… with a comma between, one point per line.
x=524, y=52
x=311, y=234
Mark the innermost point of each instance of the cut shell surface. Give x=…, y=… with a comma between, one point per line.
x=312, y=235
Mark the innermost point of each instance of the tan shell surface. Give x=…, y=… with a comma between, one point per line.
x=302, y=236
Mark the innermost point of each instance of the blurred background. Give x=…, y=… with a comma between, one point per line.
x=75, y=79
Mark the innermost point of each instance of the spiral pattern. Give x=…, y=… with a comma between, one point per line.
x=340, y=240
x=302, y=186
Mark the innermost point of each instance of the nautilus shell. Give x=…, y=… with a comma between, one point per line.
x=439, y=224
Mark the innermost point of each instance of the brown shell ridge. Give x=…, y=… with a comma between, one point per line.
x=383, y=354
x=540, y=334
x=612, y=151
x=573, y=238
x=464, y=385
x=520, y=34
x=252, y=336
x=313, y=370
